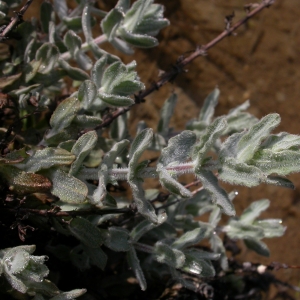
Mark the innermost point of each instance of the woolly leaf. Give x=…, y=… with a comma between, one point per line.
x=46, y=158
x=254, y=210
x=271, y=227
x=69, y=295
x=138, y=146
x=64, y=114
x=281, y=163
x=72, y=42
x=166, y=114
x=258, y=246
x=60, y=7
x=98, y=71
x=138, y=40
x=250, y=142
x=24, y=183
x=68, y=188
x=48, y=55
x=219, y=196
x=172, y=185
x=178, y=148
x=111, y=23
x=46, y=11
x=218, y=247
x=208, y=108
x=279, y=181
x=239, y=230
x=85, y=121
x=281, y=141
x=87, y=232
x=208, y=139
x=97, y=256
x=74, y=73
x=190, y=238
x=83, y=146
x=240, y=173
x=118, y=239
x=134, y=263
x=168, y=255
x=115, y=100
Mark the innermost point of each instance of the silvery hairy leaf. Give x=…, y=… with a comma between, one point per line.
x=97, y=256
x=258, y=246
x=168, y=255
x=46, y=11
x=254, y=210
x=281, y=163
x=134, y=263
x=60, y=7
x=271, y=227
x=208, y=108
x=81, y=149
x=118, y=239
x=219, y=196
x=178, y=149
x=68, y=188
x=46, y=158
x=111, y=23
x=87, y=232
x=70, y=295
x=207, y=140
x=47, y=55
x=189, y=238
x=281, y=141
x=165, y=115
x=250, y=141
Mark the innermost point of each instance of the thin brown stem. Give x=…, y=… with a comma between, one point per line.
x=14, y=22
x=179, y=66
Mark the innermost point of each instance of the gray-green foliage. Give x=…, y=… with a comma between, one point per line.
x=76, y=163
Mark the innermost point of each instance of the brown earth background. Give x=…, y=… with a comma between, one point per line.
x=260, y=63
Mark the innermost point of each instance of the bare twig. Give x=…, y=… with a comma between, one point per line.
x=180, y=65
x=14, y=22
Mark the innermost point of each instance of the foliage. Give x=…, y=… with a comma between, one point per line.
x=58, y=174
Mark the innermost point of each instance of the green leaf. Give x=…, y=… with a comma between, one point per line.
x=64, y=114
x=73, y=23
x=97, y=256
x=115, y=100
x=138, y=146
x=111, y=23
x=82, y=148
x=139, y=230
x=24, y=183
x=118, y=239
x=166, y=114
x=281, y=141
x=208, y=108
x=239, y=230
x=70, y=295
x=98, y=71
x=61, y=8
x=172, y=185
x=271, y=227
x=87, y=233
x=87, y=94
x=74, y=73
x=68, y=188
x=250, y=141
x=219, y=196
x=218, y=247
x=178, y=149
x=72, y=42
x=46, y=158
x=46, y=11
x=281, y=163
x=85, y=121
x=208, y=139
x=254, y=210
x=134, y=263
x=190, y=238
x=168, y=255
x=48, y=55
x=138, y=40
x=240, y=173
x=258, y=246
x=279, y=181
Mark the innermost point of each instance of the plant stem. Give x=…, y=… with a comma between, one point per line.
x=85, y=46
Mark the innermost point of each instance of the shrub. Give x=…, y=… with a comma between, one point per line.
x=66, y=159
